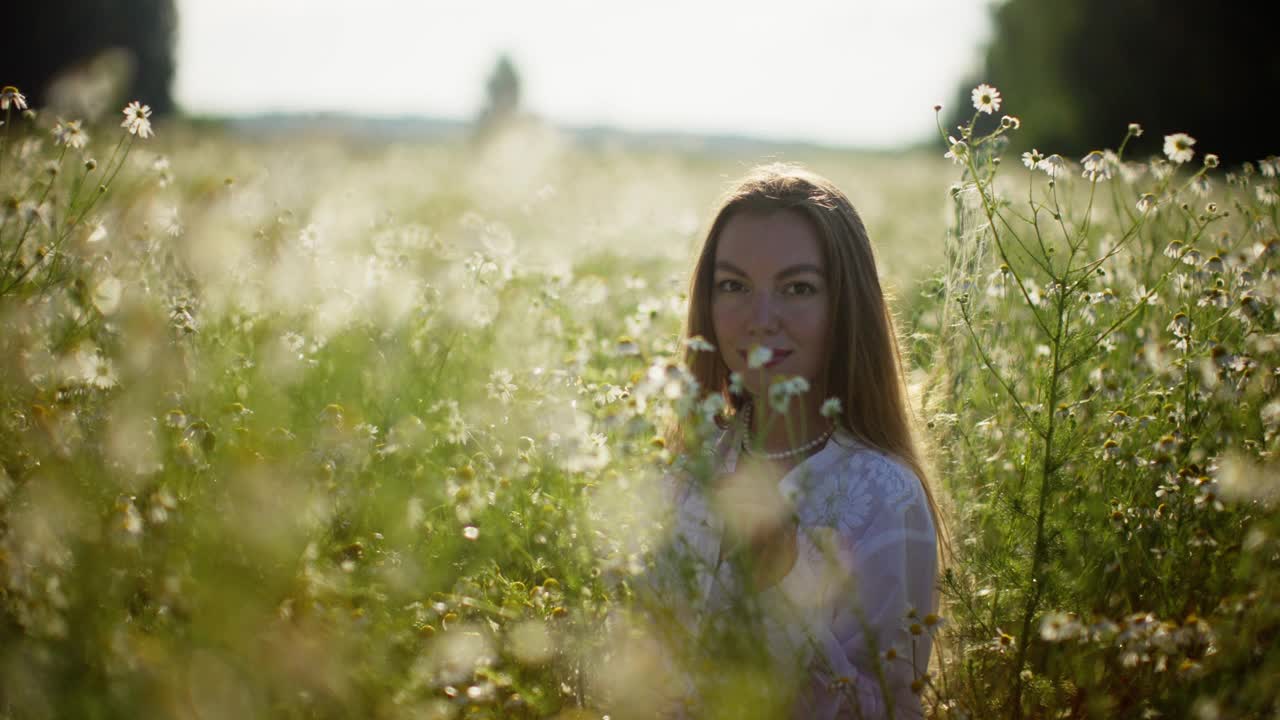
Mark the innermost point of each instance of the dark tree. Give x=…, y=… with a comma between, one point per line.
x=46, y=38
x=502, y=96
x=1078, y=72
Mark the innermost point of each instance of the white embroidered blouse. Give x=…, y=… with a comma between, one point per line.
x=866, y=557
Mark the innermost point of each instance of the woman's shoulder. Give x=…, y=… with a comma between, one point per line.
x=854, y=461
x=860, y=481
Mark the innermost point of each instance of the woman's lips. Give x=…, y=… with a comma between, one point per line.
x=776, y=357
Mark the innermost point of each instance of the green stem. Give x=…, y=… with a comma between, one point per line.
x=1048, y=468
x=22, y=238
x=991, y=368
x=1087, y=352
x=989, y=209
x=102, y=189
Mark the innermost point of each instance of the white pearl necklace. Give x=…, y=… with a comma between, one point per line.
x=781, y=454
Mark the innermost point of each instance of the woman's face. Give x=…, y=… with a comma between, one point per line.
x=770, y=291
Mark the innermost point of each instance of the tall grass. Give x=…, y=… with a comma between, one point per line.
x=1106, y=404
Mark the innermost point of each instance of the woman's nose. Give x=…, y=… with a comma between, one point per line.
x=763, y=310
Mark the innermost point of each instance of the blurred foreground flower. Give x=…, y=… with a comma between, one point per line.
x=1059, y=626
x=697, y=343
x=759, y=357
x=781, y=392
x=97, y=370
x=1243, y=479
x=831, y=408
x=500, y=386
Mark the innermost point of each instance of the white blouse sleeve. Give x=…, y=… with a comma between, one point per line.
x=868, y=523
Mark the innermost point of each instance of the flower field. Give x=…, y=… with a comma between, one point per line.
x=303, y=426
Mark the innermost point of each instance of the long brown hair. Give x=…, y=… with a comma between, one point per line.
x=863, y=368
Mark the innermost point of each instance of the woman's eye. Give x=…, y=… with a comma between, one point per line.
x=800, y=288
x=729, y=285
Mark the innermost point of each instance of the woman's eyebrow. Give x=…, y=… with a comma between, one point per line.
x=729, y=267
x=800, y=270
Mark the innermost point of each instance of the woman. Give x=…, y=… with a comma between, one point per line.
x=817, y=507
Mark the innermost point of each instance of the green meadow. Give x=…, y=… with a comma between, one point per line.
x=307, y=426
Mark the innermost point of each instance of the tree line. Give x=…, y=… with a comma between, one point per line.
x=1077, y=72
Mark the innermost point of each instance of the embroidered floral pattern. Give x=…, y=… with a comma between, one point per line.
x=847, y=497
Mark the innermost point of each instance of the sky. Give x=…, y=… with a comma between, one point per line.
x=851, y=73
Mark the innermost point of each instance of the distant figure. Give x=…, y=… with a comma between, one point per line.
x=817, y=511
x=502, y=93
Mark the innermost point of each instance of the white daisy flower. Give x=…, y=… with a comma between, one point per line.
x=137, y=120
x=71, y=134
x=500, y=386
x=958, y=152
x=1096, y=166
x=1177, y=147
x=97, y=371
x=1053, y=165
x=10, y=97
x=1032, y=158
x=986, y=99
